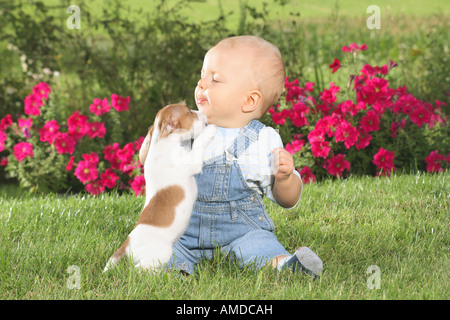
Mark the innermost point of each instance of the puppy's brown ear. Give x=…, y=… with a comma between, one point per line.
x=167, y=127
x=145, y=146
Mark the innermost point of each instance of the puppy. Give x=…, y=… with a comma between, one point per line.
x=171, y=190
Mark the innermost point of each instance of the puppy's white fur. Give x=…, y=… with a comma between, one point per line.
x=171, y=190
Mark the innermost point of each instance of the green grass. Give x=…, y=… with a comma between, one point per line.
x=208, y=9
x=398, y=224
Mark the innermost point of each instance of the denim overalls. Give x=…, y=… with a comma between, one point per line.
x=227, y=214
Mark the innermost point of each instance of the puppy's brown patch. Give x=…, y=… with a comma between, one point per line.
x=121, y=251
x=160, y=211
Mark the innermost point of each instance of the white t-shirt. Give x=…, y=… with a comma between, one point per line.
x=255, y=162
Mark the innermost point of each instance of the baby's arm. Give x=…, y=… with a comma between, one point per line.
x=287, y=187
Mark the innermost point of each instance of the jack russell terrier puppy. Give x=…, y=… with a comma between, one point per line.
x=171, y=190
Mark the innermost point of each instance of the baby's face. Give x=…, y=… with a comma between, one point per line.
x=226, y=79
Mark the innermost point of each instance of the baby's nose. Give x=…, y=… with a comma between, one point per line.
x=201, y=83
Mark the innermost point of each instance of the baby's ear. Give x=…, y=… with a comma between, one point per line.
x=252, y=102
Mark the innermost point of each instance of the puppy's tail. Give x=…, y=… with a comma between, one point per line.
x=117, y=256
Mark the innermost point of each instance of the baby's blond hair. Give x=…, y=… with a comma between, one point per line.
x=267, y=65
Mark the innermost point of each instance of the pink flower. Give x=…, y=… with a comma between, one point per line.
x=353, y=47
x=77, y=124
x=49, y=131
x=23, y=150
x=309, y=86
x=372, y=91
x=120, y=158
x=69, y=165
x=138, y=185
x=345, y=132
x=295, y=146
x=320, y=148
x=64, y=143
x=327, y=125
x=25, y=123
x=307, y=175
x=125, y=155
x=130, y=167
x=91, y=158
x=3, y=138
x=297, y=114
x=109, y=178
x=42, y=90
x=384, y=160
x=32, y=104
x=96, y=129
x=433, y=161
x=100, y=107
x=420, y=115
x=110, y=151
x=293, y=90
x=404, y=104
x=348, y=107
x=95, y=188
x=335, y=65
x=120, y=103
x=336, y=165
x=279, y=117
x=86, y=171
x=329, y=95
x=5, y=122
x=4, y=161
x=363, y=140
x=138, y=143
x=370, y=122
x=110, y=155
x=371, y=71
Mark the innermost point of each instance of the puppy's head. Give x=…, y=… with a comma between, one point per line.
x=173, y=118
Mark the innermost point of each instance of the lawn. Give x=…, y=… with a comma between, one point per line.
x=397, y=226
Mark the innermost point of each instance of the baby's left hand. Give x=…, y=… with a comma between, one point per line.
x=283, y=164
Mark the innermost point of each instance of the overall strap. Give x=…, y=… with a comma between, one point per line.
x=245, y=137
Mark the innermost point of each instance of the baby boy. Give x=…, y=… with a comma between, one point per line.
x=240, y=79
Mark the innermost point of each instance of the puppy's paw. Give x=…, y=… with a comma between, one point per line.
x=210, y=131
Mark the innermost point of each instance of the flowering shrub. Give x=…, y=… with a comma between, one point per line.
x=48, y=154
x=367, y=128
x=371, y=129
